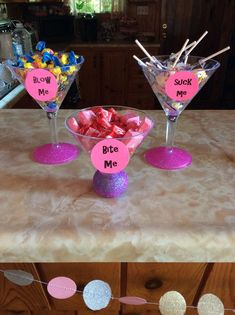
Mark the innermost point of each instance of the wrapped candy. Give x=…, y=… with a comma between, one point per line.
x=62, y=65
x=101, y=123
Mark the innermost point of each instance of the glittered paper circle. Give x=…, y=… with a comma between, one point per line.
x=61, y=287
x=210, y=304
x=172, y=303
x=19, y=277
x=97, y=295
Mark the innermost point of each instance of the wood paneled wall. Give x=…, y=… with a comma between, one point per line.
x=146, y=280
x=149, y=23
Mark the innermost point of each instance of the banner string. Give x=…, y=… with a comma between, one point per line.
x=80, y=291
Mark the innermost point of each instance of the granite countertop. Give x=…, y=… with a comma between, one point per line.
x=50, y=213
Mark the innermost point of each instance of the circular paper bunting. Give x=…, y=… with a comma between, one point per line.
x=132, y=300
x=210, y=304
x=19, y=277
x=172, y=303
x=97, y=295
x=61, y=287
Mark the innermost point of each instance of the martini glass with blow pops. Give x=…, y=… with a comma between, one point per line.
x=175, y=90
x=175, y=83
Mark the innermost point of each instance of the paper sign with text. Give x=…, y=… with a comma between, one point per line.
x=182, y=86
x=41, y=84
x=110, y=156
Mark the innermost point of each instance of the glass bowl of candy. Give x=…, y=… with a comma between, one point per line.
x=110, y=135
x=47, y=76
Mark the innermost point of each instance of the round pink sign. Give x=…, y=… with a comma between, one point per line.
x=61, y=287
x=182, y=86
x=41, y=84
x=110, y=156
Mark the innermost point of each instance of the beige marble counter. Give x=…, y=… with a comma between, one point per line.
x=50, y=213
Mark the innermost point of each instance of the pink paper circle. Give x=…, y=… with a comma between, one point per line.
x=110, y=156
x=132, y=300
x=182, y=86
x=41, y=84
x=61, y=287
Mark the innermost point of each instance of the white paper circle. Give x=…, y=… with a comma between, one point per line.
x=172, y=303
x=210, y=304
x=97, y=295
x=19, y=277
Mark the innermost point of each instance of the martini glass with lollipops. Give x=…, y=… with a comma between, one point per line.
x=175, y=80
x=110, y=135
x=47, y=77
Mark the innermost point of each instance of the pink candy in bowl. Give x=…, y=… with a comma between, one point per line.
x=111, y=135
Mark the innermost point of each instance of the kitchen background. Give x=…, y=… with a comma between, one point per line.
x=106, y=40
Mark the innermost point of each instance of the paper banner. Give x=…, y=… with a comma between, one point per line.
x=172, y=303
x=97, y=295
x=210, y=304
x=61, y=287
x=19, y=277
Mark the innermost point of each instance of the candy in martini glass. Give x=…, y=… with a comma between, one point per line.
x=110, y=135
x=47, y=77
x=175, y=80
x=175, y=89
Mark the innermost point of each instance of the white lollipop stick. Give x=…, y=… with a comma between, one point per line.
x=180, y=52
x=139, y=60
x=197, y=42
x=155, y=66
x=152, y=58
x=187, y=47
x=144, y=50
x=215, y=54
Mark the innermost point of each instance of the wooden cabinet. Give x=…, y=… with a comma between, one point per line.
x=111, y=76
x=145, y=280
x=89, y=78
x=139, y=93
x=190, y=19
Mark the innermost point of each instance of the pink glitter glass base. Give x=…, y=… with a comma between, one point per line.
x=55, y=153
x=162, y=158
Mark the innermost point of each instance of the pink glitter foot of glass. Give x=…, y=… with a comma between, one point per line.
x=60, y=153
x=162, y=158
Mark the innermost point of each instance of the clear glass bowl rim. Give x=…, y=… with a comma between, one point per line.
x=215, y=66
x=108, y=106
